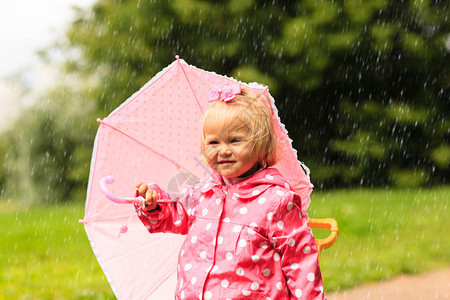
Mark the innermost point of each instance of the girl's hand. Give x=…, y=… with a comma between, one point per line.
x=149, y=195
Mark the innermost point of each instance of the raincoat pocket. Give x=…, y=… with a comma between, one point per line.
x=252, y=241
x=253, y=250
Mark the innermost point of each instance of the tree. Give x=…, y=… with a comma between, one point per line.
x=49, y=148
x=359, y=83
x=393, y=121
x=362, y=86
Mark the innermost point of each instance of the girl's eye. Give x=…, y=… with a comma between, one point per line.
x=235, y=140
x=212, y=143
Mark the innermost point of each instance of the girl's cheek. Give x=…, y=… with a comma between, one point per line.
x=213, y=150
x=211, y=162
x=210, y=153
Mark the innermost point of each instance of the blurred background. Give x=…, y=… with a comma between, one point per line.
x=363, y=88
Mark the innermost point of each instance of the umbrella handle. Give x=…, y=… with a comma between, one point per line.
x=110, y=179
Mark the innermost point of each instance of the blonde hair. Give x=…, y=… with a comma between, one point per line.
x=253, y=110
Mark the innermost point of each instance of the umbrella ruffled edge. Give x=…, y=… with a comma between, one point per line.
x=309, y=189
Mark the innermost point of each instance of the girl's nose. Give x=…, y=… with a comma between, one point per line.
x=225, y=151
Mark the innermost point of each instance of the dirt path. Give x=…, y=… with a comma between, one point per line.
x=428, y=286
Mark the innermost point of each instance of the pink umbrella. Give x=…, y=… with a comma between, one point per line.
x=154, y=136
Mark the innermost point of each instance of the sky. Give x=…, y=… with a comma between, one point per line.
x=27, y=26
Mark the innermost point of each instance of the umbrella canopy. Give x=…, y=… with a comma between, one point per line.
x=154, y=137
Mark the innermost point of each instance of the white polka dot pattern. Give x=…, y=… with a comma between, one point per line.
x=236, y=233
x=225, y=283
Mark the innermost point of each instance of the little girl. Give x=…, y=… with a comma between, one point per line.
x=246, y=235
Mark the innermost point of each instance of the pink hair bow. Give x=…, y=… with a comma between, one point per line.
x=224, y=93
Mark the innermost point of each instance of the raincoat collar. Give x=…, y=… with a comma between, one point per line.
x=251, y=187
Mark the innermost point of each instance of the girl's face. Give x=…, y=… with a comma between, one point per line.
x=227, y=145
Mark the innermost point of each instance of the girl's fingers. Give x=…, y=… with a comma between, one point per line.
x=142, y=190
x=154, y=196
x=148, y=197
x=151, y=197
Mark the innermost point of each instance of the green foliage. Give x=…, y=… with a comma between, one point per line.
x=394, y=98
x=362, y=86
x=408, y=178
x=49, y=150
x=441, y=156
x=390, y=142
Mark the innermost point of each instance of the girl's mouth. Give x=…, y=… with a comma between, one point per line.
x=226, y=162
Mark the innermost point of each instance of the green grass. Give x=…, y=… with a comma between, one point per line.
x=383, y=233
x=45, y=253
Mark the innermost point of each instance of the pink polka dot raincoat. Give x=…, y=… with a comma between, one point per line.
x=245, y=241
